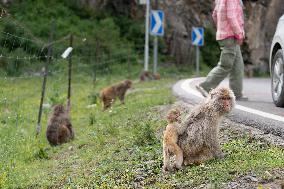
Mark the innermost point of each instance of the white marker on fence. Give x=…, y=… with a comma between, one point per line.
x=67, y=52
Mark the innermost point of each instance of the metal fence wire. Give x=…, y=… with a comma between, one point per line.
x=26, y=59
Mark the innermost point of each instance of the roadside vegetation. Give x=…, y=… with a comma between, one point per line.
x=119, y=147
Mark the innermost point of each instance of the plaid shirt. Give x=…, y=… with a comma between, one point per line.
x=229, y=19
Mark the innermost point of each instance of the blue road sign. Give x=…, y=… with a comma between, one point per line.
x=157, y=23
x=197, y=36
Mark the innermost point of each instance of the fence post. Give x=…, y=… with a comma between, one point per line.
x=96, y=62
x=69, y=76
x=128, y=63
x=45, y=73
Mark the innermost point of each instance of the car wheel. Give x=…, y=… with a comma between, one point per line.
x=277, y=87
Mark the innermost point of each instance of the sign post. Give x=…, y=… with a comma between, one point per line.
x=157, y=29
x=197, y=38
x=146, y=50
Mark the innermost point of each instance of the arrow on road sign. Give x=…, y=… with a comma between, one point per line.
x=157, y=22
x=197, y=36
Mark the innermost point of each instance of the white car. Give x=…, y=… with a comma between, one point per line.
x=276, y=63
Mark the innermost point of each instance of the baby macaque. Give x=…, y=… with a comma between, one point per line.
x=170, y=146
x=109, y=94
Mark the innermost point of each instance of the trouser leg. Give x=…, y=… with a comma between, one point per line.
x=225, y=65
x=237, y=74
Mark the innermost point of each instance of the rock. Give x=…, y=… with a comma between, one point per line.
x=251, y=178
x=70, y=148
x=233, y=185
x=269, y=175
x=46, y=106
x=91, y=106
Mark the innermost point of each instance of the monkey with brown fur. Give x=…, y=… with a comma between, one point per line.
x=199, y=142
x=170, y=140
x=59, y=128
x=147, y=76
x=109, y=94
x=156, y=76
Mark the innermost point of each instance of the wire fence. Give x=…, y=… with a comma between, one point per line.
x=24, y=60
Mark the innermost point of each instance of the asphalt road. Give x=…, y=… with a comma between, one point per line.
x=259, y=111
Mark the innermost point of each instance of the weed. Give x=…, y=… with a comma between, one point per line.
x=41, y=153
x=144, y=134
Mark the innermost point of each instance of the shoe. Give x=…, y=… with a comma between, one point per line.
x=241, y=98
x=201, y=90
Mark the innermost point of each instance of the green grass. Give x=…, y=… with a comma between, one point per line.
x=116, y=148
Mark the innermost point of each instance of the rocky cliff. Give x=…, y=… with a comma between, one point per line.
x=261, y=18
x=261, y=21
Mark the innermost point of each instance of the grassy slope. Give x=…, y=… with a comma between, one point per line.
x=117, y=148
x=113, y=148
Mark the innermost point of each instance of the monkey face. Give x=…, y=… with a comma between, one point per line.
x=128, y=83
x=58, y=109
x=223, y=99
x=226, y=103
x=174, y=116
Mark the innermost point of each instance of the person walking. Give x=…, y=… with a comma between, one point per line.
x=229, y=19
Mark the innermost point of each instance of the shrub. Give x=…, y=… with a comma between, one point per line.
x=144, y=134
x=210, y=51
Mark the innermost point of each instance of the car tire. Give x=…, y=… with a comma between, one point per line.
x=277, y=79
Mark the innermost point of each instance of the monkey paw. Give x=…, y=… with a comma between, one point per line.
x=166, y=168
x=187, y=162
x=177, y=167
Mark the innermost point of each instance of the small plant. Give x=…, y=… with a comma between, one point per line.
x=94, y=97
x=92, y=119
x=56, y=98
x=144, y=134
x=41, y=153
x=3, y=179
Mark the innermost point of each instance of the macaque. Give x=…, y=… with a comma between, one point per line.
x=59, y=128
x=147, y=76
x=170, y=146
x=156, y=76
x=199, y=141
x=109, y=94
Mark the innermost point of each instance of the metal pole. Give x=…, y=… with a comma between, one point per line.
x=197, y=61
x=69, y=77
x=128, y=63
x=96, y=63
x=146, y=53
x=155, y=56
x=45, y=73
